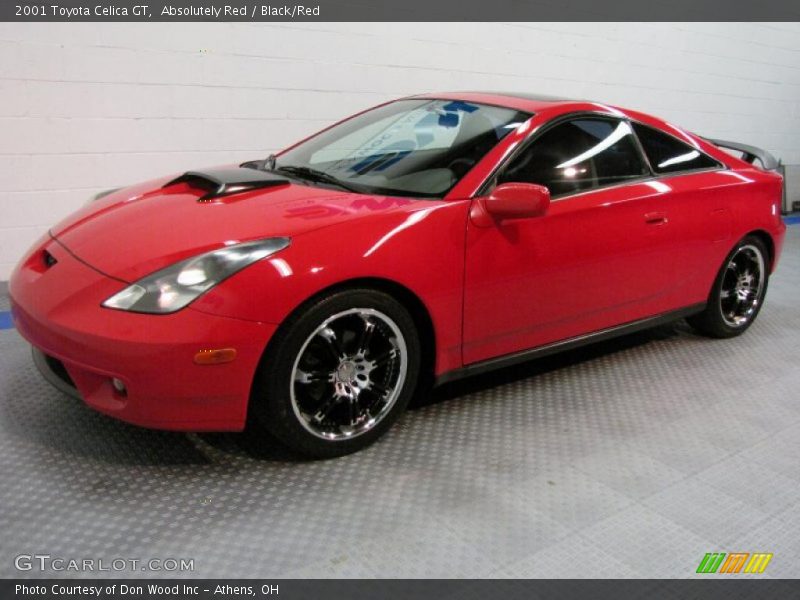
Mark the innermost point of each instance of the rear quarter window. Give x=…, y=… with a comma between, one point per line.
x=670, y=155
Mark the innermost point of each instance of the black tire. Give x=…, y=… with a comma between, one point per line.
x=721, y=317
x=281, y=404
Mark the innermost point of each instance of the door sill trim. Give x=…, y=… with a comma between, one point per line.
x=507, y=360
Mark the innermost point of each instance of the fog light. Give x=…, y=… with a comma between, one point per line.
x=119, y=387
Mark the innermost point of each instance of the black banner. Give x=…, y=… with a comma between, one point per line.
x=394, y=10
x=398, y=589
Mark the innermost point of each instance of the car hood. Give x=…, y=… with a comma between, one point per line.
x=136, y=231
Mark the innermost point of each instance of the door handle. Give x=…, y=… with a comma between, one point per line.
x=656, y=218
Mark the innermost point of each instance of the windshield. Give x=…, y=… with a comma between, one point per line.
x=409, y=147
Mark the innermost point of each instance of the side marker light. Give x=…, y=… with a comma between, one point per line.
x=215, y=357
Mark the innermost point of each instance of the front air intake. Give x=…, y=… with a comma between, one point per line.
x=48, y=259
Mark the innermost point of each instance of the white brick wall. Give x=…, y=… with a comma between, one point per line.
x=84, y=107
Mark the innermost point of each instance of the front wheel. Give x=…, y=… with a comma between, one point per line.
x=738, y=292
x=338, y=374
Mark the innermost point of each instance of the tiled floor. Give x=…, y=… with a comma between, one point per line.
x=632, y=458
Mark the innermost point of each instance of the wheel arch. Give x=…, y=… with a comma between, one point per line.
x=408, y=298
x=765, y=237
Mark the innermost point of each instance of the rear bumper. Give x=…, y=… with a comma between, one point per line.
x=778, y=237
x=57, y=309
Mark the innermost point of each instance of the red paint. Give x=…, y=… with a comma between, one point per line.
x=491, y=287
x=510, y=201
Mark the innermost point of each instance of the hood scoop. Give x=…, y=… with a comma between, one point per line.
x=224, y=182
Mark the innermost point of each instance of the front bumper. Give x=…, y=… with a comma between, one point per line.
x=55, y=373
x=57, y=308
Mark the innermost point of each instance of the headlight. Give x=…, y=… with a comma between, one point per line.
x=171, y=289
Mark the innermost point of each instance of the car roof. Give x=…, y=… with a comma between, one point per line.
x=523, y=101
x=540, y=104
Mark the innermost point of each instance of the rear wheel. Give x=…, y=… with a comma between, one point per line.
x=338, y=374
x=738, y=292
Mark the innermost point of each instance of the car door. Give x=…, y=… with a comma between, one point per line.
x=599, y=257
x=699, y=205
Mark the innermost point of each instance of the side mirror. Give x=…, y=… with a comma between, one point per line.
x=517, y=201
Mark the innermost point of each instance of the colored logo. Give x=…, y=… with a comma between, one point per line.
x=734, y=562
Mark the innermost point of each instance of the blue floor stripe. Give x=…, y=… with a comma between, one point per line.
x=792, y=220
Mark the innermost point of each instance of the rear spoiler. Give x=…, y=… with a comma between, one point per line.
x=750, y=153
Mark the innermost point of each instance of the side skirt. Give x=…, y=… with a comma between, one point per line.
x=508, y=360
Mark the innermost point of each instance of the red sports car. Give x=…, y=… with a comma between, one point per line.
x=429, y=238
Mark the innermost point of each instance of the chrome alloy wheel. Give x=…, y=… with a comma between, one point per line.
x=348, y=374
x=742, y=286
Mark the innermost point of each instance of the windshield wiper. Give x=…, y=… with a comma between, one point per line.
x=268, y=164
x=314, y=175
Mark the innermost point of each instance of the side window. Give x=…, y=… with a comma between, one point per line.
x=669, y=155
x=578, y=155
